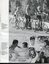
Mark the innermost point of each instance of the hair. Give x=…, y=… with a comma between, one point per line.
x=15, y=42
x=42, y=54
x=31, y=48
x=32, y=38
x=25, y=44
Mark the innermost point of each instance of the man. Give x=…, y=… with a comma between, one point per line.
x=12, y=52
x=23, y=53
x=25, y=49
x=29, y=54
x=40, y=21
x=32, y=49
x=42, y=58
x=39, y=16
x=33, y=55
x=14, y=44
x=28, y=23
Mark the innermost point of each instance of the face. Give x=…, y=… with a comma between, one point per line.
x=32, y=42
x=42, y=41
x=24, y=46
x=32, y=52
x=16, y=44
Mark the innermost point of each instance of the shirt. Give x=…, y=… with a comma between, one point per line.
x=23, y=54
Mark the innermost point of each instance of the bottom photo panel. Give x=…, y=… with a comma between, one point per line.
x=28, y=49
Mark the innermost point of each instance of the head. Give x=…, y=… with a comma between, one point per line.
x=32, y=52
x=42, y=54
x=41, y=39
x=15, y=43
x=32, y=40
x=25, y=45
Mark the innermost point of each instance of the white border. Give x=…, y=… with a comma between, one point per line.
x=4, y=6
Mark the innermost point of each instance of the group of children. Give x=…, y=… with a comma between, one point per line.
x=26, y=53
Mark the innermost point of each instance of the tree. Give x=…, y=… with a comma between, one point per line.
x=13, y=4
x=32, y=7
x=47, y=8
x=47, y=3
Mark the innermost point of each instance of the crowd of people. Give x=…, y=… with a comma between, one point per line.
x=26, y=22
x=33, y=53
x=29, y=15
x=23, y=20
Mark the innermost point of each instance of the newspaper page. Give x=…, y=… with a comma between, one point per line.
x=24, y=31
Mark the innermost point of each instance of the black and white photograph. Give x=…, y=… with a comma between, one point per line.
x=28, y=49
x=29, y=15
x=29, y=31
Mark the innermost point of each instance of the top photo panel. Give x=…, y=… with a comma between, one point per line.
x=26, y=15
